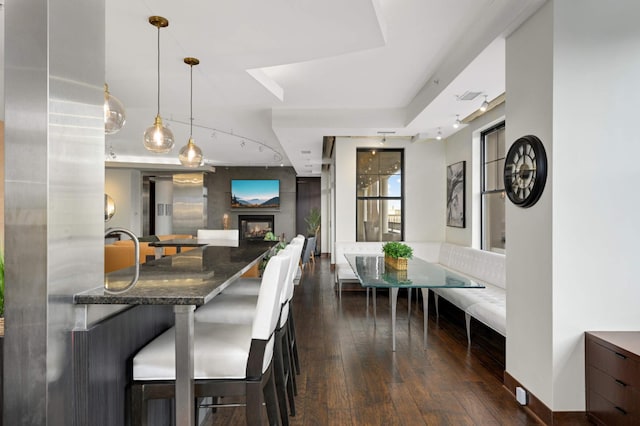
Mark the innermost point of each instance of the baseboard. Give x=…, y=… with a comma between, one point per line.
x=540, y=410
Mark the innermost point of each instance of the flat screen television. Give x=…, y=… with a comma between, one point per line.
x=255, y=193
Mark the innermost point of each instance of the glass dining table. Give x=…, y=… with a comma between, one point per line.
x=372, y=272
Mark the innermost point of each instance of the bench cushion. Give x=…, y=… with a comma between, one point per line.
x=484, y=265
x=492, y=314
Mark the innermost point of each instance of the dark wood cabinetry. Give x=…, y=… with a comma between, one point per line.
x=612, y=367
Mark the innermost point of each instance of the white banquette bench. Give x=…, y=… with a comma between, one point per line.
x=487, y=305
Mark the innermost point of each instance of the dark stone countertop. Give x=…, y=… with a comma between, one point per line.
x=189, y=278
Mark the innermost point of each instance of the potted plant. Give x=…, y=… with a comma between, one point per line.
x=273, y=252
x=313, y=222
x=396, y=254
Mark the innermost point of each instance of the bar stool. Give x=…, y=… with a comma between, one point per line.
x=229, y=359
x=239, y=308
x=250, y=286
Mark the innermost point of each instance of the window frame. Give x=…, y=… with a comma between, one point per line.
x=382, y=198
x=483, y=178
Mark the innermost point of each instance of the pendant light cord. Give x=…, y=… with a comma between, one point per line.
x=158, y=70
x=191, y=104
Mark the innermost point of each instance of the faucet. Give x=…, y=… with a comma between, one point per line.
x=136, y=256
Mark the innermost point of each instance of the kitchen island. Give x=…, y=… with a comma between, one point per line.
x=183, y=281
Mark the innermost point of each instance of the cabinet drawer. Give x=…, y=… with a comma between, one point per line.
x=607, y=413
x=614, y=364
x=616, y=392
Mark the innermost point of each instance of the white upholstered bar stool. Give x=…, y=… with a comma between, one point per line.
x=250, y=286
x=239, y=308
x=229, y=359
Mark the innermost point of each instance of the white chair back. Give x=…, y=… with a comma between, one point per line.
x=268, y=306
x=218, y=234
x=293, y=249
x=296, y=247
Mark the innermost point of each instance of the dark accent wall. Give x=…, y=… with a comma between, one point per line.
x=307, y=197
x=219, y=197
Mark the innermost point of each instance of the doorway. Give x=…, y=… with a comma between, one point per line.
x=308, y=193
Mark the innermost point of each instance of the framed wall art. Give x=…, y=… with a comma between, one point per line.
x=456, y=194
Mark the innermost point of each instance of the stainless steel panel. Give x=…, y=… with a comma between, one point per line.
x=189, y=203
x=53, y=196
x=146, y=218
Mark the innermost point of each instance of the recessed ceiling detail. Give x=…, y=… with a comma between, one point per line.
x=292, y=72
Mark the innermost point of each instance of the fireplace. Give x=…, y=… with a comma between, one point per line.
x=255, y=227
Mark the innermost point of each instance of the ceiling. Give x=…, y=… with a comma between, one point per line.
x=275, y=77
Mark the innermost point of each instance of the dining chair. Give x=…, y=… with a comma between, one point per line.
x=239, y=308
x=309, y=249
x=218, y=234
x=229, y=359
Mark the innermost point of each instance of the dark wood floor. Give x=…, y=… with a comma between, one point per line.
x=350, y=376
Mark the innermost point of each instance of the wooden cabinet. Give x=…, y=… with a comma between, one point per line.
x=612, y=367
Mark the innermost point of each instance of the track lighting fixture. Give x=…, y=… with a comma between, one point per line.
x=439, y=134
x=456, y=123
x=485, y=104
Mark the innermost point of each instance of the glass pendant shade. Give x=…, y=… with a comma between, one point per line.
x=109, y=207
x=158, y=138
x=114, y=113
x=190, y=154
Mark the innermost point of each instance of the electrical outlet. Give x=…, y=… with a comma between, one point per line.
x=521, y=395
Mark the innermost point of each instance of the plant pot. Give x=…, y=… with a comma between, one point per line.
x=399, y=263
x=396, y=276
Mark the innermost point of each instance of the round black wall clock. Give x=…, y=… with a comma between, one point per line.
x=525, y=171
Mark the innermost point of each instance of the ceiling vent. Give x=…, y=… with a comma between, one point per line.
x=469, y=96
x=305, y=152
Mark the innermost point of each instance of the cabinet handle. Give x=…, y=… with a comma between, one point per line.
x=621, y=411
x=619, y=355
x=620, y=382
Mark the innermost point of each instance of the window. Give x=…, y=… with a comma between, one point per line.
x=379, y=195
x=493, y=196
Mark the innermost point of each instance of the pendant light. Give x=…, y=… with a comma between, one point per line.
x=114, y=114
x=190, y=154
x=158, y=138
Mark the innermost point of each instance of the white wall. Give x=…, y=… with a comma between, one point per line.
x=125, y=187
x=596, y=165
x=425, y=187
x=464, y=145
x=528, y=231
x=325, y=211
x=572, y=79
